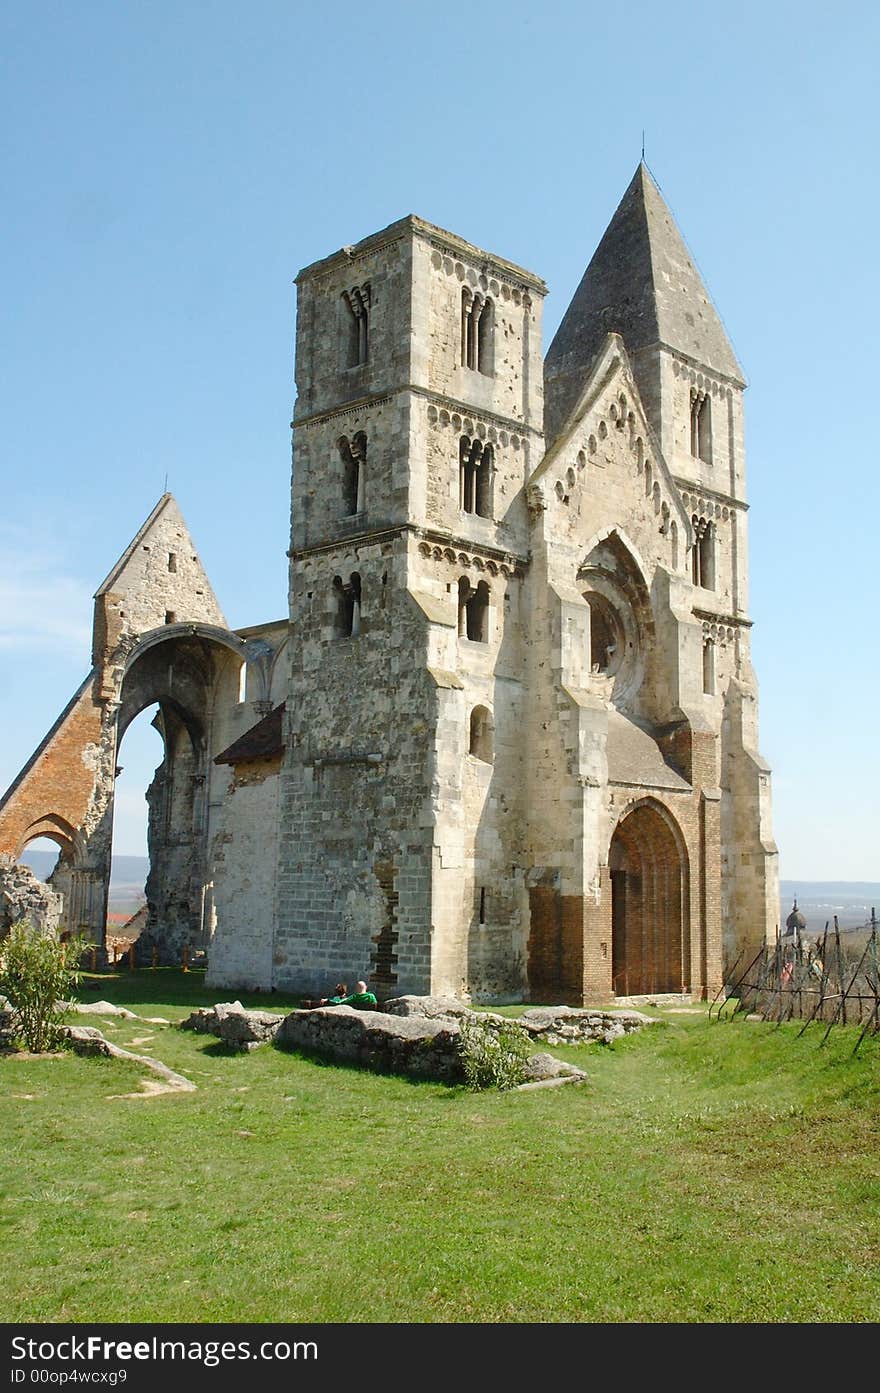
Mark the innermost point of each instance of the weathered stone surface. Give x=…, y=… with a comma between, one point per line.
x=23, y=896
x=540, y=1067
x=564, y=1024
x=247, y=1029
x=553, y=1024
x=233, y=1024
x=204, y=1021
x=7, y=1025
x=412, y=1045
x=546, y=1071
x=431, y=1006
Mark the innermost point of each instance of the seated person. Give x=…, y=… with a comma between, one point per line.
x=360, y=997
x=340, y=992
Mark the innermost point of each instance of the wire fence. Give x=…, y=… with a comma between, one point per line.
x=829, y=982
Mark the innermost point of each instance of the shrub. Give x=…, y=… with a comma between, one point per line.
x=36, y=973
x=493, y=1056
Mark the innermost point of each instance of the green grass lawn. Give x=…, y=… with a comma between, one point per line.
x=707, y=1172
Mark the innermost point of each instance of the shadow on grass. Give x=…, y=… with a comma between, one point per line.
x=171, y=986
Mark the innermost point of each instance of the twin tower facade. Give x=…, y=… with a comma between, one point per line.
x=506, y=745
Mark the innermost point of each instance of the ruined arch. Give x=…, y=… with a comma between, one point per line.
x=177, y=669
x=56, y=829
x=648, y=866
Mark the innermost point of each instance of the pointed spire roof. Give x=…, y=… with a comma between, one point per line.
x=642, y=284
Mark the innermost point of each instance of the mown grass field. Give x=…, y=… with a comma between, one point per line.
x=707, y=1172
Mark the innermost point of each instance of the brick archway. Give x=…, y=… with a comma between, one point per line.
x=55, y=829
x=649, y=939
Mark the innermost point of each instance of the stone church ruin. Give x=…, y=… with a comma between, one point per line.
x=504, y=745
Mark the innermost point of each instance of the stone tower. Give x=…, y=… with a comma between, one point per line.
x=642, y=286
x=417, y=423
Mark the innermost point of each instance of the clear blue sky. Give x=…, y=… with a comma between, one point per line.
x=168, y=167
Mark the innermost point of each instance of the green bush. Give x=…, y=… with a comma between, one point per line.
x=494, y=1056
x=36, y=972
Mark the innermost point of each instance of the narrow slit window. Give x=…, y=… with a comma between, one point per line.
x=480, y=735
x=701, y=426
x=353, y=454
x=347, y=599
x=356, y=318
x=709, y=667
x=703, y=560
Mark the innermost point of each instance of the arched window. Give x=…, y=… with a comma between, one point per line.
x=473, y=611
x=481, y=734
x=347, y=619
x=703, y=557
x=477, y=332
x=476, y=467
x=701, y=426
x=353, y=454
x=356, y=315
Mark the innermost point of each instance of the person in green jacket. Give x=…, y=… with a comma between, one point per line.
x=360, y=997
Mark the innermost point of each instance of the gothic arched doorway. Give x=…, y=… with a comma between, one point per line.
x=648, y=866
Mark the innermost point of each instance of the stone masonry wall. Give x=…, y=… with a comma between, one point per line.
x=354, y=850
x=244, y=860
x=24, y=897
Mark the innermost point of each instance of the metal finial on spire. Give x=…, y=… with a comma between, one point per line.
x=165, y=489
x=643, y=147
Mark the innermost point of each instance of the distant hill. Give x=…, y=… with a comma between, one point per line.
x=819, y=901
x=125, y=871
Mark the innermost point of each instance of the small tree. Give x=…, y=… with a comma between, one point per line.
x=494, y=1056
x=36, y=973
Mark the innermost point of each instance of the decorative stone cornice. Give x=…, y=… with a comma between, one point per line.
x=354, y=407
x=709, y=502
x=351, y=541
x=436, y=546
x=369, y=400
x=736, y=621
x=449, y=411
